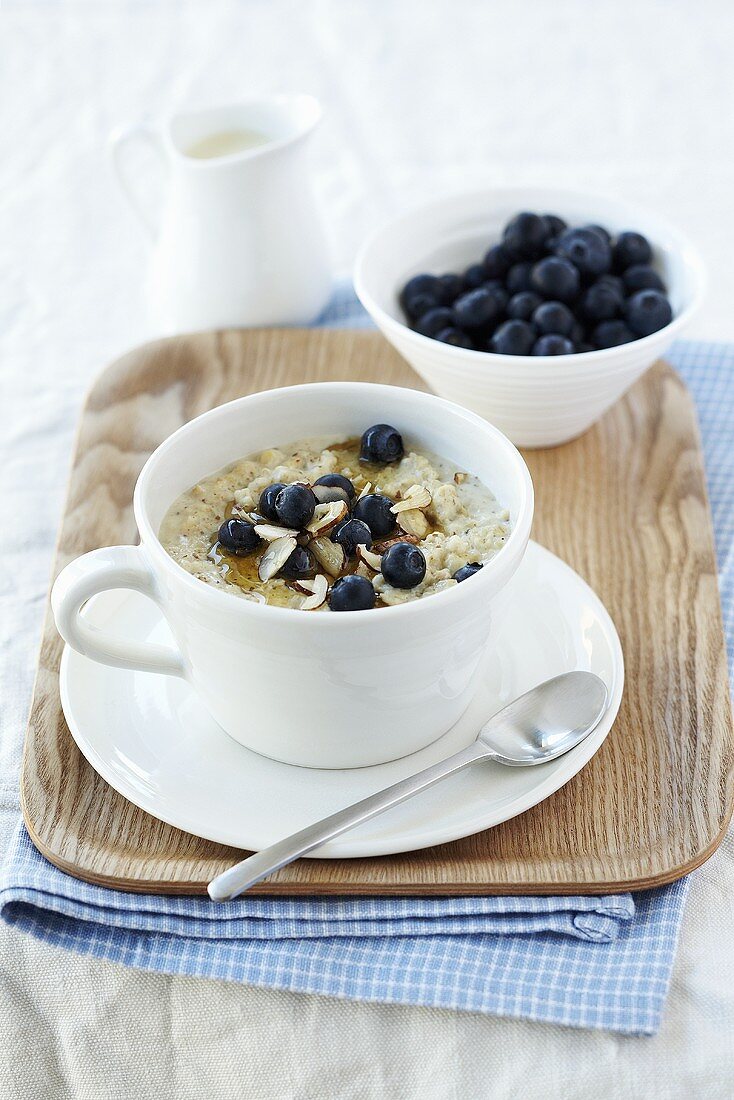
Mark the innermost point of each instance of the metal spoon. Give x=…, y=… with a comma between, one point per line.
x=537, y=727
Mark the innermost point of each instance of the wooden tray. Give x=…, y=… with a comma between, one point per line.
x=625, y=505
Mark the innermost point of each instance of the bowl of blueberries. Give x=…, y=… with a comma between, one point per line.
x=535, y=308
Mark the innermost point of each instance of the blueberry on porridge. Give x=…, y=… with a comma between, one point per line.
x=336, y=524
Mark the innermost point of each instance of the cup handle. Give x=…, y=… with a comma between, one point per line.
x=120, y=141
x=100, y=571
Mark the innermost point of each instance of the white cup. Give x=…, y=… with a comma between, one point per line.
x=319, y=689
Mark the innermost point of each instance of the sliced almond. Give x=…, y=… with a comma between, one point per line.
x=416, y=497
x=327, y=494
x=365, y=490
x=460, y=477
x=330, y=555
x=374, y=561
x=381, y=547
x=327, y=516
x=318, y=596
x=304, y=586
x=270, y=531
x=413, y=522
x=275, y=557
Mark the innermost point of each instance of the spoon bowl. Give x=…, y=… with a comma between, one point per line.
x=545, y=722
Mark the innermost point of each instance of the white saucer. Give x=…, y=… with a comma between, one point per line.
x=151, y=739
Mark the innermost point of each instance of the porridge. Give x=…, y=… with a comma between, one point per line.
x=344, y=525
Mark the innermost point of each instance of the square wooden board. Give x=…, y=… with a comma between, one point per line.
x=625, y=505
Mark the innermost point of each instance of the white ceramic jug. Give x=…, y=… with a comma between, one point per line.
x=240, y=241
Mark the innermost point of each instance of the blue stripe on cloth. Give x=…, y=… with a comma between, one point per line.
x=595, y=962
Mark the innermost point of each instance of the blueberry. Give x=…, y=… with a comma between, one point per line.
x=577, y=335
x=467, y=570
x=522, y=306
x=518, y=278
x=586, y=250
x=553, y=344
x=381, y=443
x=474, y=276
x=525, y=236
x=352, y=593
x=420, y=305
x=631, y=248
x=500, y=295
x=350, y=533
x=431, y=323
x=555, y=226
x=374, y=510
x=647, y=311
x=496, y=262
x=236, y=536
x=614, y=283
x=555, y=278
x=336, y=481
x=295, y=505
x=513, y=338
x=455, y=337
x=403, y=565
x=451, y=286
x=600, y=302
x=605, y=236
x=642, y=277
x=299, y=565
x=583, y=346
x=421, y=293
x=609, y=334
x=555, y=318
x=266, y=504
x=476, y=308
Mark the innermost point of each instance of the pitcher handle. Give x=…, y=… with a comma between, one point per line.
x=100, y=571
x=120, y=142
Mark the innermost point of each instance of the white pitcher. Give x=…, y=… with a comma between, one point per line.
x=240, y=240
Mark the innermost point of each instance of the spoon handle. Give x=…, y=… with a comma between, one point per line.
x=245, y=874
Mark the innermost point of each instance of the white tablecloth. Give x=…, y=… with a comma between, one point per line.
x=632, y=97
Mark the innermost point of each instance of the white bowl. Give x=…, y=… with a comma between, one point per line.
x=535, y=400
x=319, y=689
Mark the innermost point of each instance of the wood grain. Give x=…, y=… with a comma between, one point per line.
x=625, y=505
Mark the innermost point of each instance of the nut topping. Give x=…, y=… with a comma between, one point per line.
x=318, y=595
x=327, y=494
x=373, y=561
x=416, y=497
x=270, y=531
x=275, y=557
x=330, y=555
x=381, y=547
x=413, y=522
x=327, y=516
x=367, y=488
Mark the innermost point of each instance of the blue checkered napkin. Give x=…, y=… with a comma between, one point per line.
x=586, y=962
